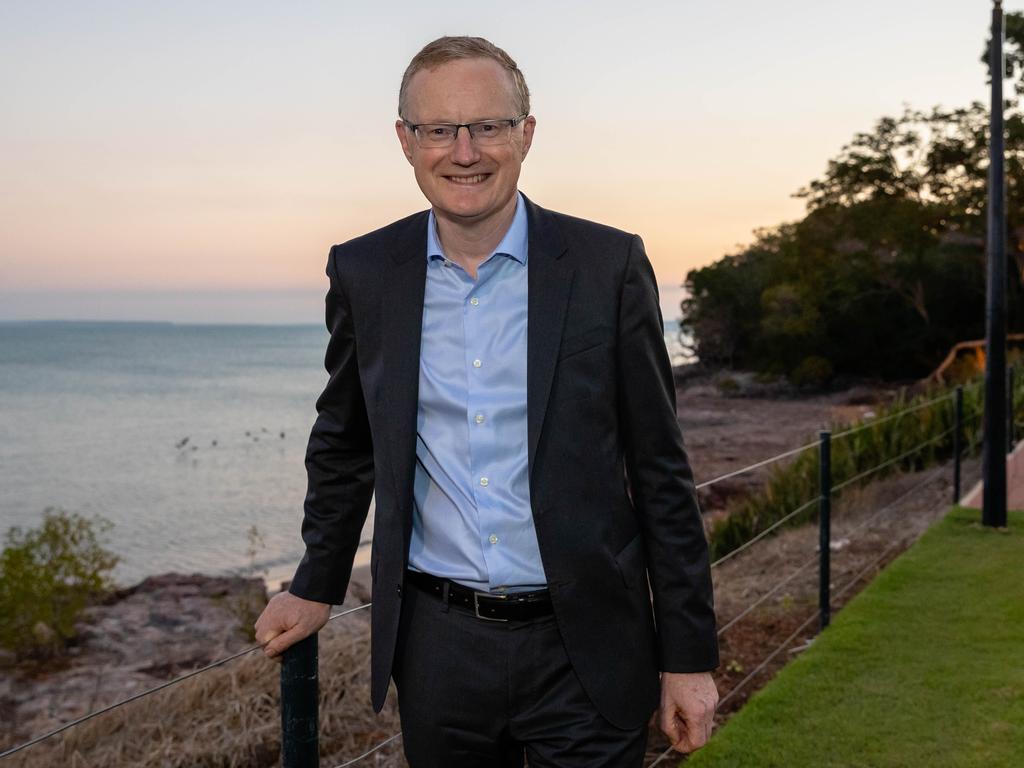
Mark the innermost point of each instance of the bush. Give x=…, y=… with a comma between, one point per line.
x=727, y=386
x=813, y=371
x=47, y=576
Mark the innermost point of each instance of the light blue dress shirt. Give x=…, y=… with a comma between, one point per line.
x=471, y=518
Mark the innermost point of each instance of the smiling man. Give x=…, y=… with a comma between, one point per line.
x=499, y=378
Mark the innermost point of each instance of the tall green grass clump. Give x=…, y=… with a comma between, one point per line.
x=896, y=430
x=48, y=575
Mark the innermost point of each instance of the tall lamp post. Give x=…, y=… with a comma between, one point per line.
x=993, y=511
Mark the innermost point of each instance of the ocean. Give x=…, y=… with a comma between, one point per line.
x=184, y=436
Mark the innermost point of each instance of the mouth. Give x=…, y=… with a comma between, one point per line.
x=468, y=181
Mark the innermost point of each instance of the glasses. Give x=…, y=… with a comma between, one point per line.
x=483, y=133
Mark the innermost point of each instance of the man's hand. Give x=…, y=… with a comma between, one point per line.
x=687, y=711
x=286, y=620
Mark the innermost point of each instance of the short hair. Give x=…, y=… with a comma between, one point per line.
x=449, y=48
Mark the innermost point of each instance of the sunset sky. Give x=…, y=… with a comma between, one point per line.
x=195, y=161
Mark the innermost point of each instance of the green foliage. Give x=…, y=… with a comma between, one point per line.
x=888, y=441
x=47, y=576
x=813, y=371
x=886, y=271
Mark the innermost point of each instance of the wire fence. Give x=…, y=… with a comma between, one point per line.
x=761, y=535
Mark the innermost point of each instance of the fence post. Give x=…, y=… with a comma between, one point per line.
x=1009, y=410
x=824, y=524
x=958, y=426
x=300, y=747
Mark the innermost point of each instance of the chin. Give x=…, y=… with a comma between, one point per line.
x=466, y=208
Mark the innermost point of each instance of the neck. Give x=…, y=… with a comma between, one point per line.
x=470, y=242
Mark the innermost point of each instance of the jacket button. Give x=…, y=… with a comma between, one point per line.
x=399, y=590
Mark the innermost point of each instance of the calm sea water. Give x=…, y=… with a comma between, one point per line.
x=185, y=436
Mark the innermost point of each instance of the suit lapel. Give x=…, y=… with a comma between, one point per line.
x=402, y=321
x=549, y=281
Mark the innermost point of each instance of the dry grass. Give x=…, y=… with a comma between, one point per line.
x=229, y=717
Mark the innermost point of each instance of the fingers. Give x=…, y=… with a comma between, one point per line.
x=686, y=731
x=671, y=725
x=281, y=642
x=696, y=735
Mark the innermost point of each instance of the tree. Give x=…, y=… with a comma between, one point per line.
x=887, y=268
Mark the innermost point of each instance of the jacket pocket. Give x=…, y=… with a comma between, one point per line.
x=630, y=561
x=581, y=342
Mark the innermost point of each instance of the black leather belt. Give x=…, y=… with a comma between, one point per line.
x=486, y=605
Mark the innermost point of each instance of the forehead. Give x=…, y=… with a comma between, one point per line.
x=461, y=91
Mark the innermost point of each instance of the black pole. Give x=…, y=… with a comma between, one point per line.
x=994, y=455
x=824, y=525
x=958, y=428
x=300, y=747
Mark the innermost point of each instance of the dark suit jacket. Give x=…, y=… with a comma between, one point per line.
x=611, y=489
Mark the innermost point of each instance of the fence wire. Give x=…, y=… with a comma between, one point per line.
x=370, y=751
x=766, y=531
x=756, y=465
x=890, y=416
x=886, y=463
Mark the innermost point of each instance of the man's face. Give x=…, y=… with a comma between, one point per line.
x=465, y=181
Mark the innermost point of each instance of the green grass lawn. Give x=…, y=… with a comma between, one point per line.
x=925, y=667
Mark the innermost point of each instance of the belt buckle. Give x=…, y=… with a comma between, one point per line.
x=476, y=605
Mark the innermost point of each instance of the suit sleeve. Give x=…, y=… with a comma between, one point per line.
x=660, y=478
x=339, y=462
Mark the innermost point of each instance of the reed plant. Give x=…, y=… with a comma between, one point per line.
x=909, y=434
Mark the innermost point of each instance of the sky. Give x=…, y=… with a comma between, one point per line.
x=194, y=162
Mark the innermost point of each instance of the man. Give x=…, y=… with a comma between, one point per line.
x=498, y=376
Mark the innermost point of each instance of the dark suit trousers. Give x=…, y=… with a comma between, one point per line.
x=474, y=693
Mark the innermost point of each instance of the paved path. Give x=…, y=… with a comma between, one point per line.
x=1014, y=483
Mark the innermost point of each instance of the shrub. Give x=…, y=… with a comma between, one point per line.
x=813, y=371
x=47, y=576
x=727, y=386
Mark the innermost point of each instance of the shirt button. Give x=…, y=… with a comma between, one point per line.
x=493, y=539
x=474, y=301
x=484, y=481
x=477, y=363
x=479, y=418
x=447, y=263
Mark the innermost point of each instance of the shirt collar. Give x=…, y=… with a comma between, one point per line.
x=513, y=244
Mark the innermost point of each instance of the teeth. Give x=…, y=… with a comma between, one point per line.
x=468, y=179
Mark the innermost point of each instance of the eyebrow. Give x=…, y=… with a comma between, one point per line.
x=453, y=122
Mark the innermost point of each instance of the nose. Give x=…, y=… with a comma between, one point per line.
x=464, y=151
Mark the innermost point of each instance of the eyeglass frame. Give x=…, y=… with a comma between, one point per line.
x=512, y=123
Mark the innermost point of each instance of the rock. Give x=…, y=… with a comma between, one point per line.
x=162, y=627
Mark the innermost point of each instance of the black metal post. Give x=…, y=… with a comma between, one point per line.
x=824, y=525
x=993, y=511
x=300, y=747
x=958, y=430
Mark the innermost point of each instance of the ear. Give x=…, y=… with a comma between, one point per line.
x=529, y=125
x=403, y=139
